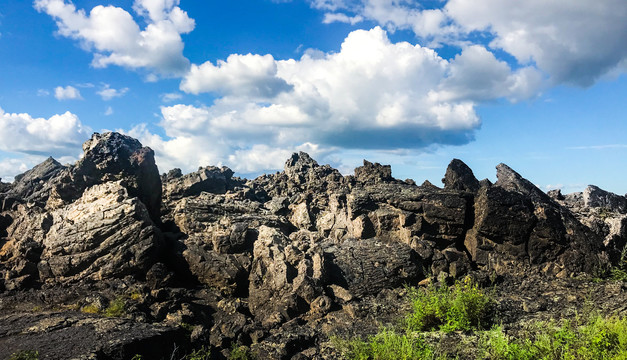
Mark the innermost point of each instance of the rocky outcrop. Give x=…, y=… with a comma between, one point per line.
x=459, y=177
x=605, y=214
x=594, y=197
x=518, y=224
x=280, y=261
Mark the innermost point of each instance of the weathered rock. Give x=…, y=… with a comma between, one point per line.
x=368, y=266
x=227, y=272
x=104, y=234
x=63, y=335
x=31, y=185
x=594, y=197
x=209, y=179
x=459, y=177
x=517, y=225
x=285, y=277
x=373, y=173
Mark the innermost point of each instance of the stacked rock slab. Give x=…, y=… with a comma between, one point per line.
x=93, y=220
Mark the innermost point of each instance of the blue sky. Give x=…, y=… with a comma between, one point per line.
x=539, y=85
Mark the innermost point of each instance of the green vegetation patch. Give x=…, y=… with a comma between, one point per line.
x=386, y=345
x=25, y=355
x=598, y=338
x=463, y=307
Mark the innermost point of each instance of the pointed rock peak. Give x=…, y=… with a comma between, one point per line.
x=299, y=162
x=42, y=171
x=460, y=177
x=595, y=197
x=510, y=180
x=428, y=185
x=375, y=173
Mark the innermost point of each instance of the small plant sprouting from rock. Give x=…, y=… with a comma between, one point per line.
x=25, y=355
x=116, y=308
x=464, y=307
x=386, y=345
x=200, y=354
x=240, y=352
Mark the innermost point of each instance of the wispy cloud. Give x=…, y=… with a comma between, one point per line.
x=107, y=92
x=598, y=147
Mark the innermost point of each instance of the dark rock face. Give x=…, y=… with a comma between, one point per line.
x=373, y=173
x=459, y=177
x=276, y=263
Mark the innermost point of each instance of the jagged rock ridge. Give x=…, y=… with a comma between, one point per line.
x=282, y=260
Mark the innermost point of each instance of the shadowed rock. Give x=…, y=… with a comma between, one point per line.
x=459, y=177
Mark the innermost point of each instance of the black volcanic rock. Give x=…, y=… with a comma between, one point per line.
x=278, y=262
x=373, y=173
x=459, y=177
x=111, y=157
x=31, y=185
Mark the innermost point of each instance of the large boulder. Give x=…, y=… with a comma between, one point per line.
x=104, y=234
x=516, y=225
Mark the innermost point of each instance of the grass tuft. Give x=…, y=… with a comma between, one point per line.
x=597, y=338
x=25, y=355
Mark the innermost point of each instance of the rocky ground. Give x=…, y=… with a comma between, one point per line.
x=106, y=259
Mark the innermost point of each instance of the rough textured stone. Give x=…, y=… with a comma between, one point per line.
x=595, y=197
x=459, y=177
x=103, y=234
x=373, y=173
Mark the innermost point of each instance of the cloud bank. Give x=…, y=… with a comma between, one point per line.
x=574, y=42
x=60, y=135
x=373, y=94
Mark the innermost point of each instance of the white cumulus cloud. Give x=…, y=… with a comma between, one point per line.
x=67, y=93
x=59, y=135
x=372, y=94
x=573, y=42
x=250, y=75
x=116, y=38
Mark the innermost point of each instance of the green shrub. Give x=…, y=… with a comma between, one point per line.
x=116, y=308
x=25, y=355
x=597, y=338
x=464, y=307
x=386, y=345
x=240, y=353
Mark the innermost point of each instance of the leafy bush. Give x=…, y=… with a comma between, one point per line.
x=595, y=339
x=464, y=307
x=386, y=345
